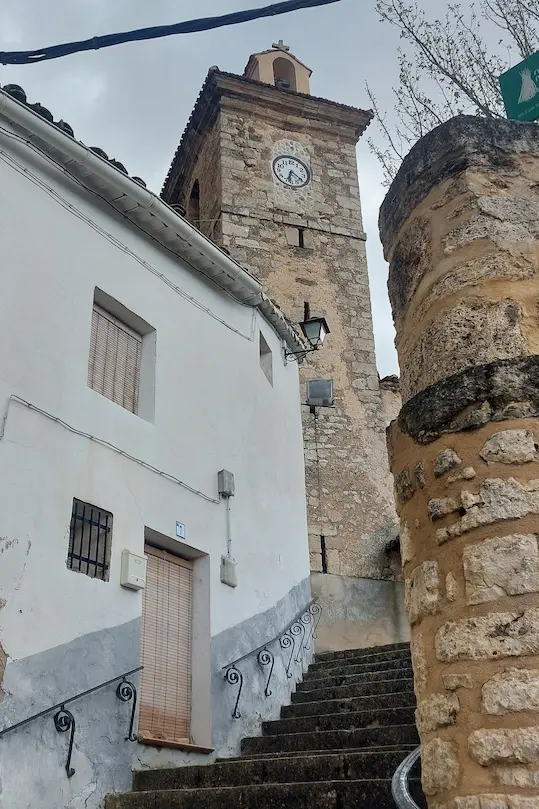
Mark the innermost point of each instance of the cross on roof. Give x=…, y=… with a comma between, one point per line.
x=280, y=46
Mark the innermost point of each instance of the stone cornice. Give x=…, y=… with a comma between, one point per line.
x=497, y=391
x=454, y=146
x=316, y=111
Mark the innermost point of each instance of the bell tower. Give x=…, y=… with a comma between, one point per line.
x=269, y=172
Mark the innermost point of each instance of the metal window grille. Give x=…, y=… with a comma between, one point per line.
x=114, y=361
x=90, y=535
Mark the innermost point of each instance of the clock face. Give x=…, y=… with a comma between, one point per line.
x=291, y=171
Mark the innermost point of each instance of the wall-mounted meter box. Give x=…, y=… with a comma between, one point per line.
x=133, y=570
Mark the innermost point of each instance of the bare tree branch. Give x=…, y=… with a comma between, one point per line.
x=446, y=67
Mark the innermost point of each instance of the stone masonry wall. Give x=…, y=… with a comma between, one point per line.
x=459, y=226
x=348, y=482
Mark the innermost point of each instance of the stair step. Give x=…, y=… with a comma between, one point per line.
x=305, y=795
x=404, y=699
x=360, y=668
x=378, y=657
x=351, y=690
x=385, y=748
x=291, y=769
x=332, y=739
x=368, y=650
x=353, y=679
x=379, y=717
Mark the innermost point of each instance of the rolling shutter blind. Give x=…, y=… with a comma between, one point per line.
x=165, y=703
x=114, y=362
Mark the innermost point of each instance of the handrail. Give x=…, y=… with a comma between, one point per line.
x=399, y=783
x=296, y=628
x=65, y=721
x=282, y=632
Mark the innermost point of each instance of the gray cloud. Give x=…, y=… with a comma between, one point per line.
x=134, y=100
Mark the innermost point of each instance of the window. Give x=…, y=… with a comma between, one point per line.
x=90, y=535
x=284, y=74
x=299, y=237
x=114, y=362
x=165, y=697
x=266, y=359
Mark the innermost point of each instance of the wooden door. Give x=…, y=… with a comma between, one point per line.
x=165, y=700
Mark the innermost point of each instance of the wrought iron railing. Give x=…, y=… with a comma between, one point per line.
x=399, y=783
x=64, y=721
x=296, y=636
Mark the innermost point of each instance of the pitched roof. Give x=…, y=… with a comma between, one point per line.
x=198, y=119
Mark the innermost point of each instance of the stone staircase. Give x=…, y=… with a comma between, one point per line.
x=351, y=722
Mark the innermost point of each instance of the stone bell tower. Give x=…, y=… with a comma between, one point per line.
x=269, y=172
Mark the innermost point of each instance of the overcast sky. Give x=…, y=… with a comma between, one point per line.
x=133, y=100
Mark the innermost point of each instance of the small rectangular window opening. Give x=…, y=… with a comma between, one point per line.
x=114, y=361
x=301, y=237
x=90, y=537
x=324, y=554
x=266, y=359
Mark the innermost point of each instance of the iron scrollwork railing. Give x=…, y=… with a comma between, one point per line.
x=64, y=721
x=399, y=783
x=295, y=639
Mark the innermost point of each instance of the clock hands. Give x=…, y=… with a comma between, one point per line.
x=292, y=174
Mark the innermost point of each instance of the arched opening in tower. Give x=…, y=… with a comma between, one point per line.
x=284, y=74
x=193, y=208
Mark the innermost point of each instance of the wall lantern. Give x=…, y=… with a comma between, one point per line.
x=315, y=330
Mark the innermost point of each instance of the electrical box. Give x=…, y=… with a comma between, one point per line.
x=320, y=392
x=225, y=483
x=228, y=571
x=133, y=570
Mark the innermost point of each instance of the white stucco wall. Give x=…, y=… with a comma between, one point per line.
x=214, y=408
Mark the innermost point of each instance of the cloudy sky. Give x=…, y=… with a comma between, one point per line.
x=133, y=100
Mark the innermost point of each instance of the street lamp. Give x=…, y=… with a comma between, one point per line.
x=315, y=330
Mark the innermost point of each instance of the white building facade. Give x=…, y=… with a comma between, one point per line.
x=137, y=360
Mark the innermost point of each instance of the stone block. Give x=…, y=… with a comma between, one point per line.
x=446, y=460
x=442, y=506
x=495, y=635
x=437, y=711
x=404, y=488
x=453, y=680
x=504, y=745
x=512, y=690
x=498, y=499
x=419, y=662
x=439, y=765
x=509, y=446
x=492, y=801
x=463, y=474
x=501, y=566
x=418, y=469
x=406, y=546
x=522, y=777
x=422, y=593
x=473, y=332
x=292, y=237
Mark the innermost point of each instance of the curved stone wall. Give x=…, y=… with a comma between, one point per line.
x=460, y=226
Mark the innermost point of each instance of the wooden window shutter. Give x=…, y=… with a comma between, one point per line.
x=114, y=362
x=165, y=701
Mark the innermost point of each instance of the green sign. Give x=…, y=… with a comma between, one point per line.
x=520, y=89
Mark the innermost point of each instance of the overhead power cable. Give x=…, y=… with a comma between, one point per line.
x=189, y=27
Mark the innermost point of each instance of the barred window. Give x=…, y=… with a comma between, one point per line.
x=114, y=362
x=90, y=536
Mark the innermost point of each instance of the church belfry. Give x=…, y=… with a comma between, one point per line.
x=273, y=172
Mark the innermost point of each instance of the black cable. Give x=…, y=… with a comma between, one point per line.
x=189, y=27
